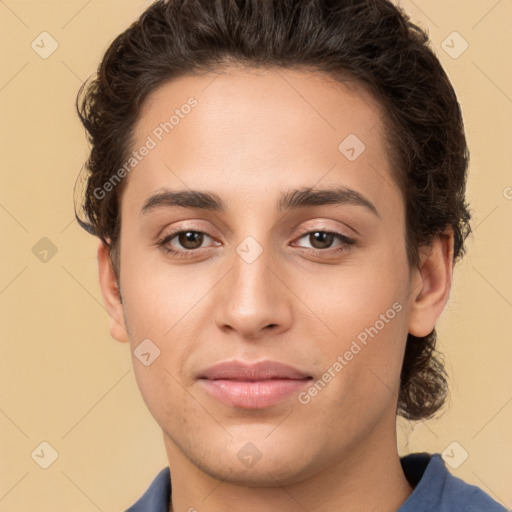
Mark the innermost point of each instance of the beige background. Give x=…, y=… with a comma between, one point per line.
x=66, y=382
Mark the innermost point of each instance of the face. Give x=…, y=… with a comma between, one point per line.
x=320, y=284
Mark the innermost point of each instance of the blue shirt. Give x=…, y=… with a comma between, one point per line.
x=435, y=489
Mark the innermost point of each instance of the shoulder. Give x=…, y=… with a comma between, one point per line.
x=156, y=498
x=435, y=488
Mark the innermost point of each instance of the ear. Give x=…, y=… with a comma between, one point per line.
x=111, y=294
x=431, y=284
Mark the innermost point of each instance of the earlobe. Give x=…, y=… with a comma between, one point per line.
x=431, y=285
x=111, y=294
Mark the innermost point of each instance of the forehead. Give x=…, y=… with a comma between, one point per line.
x=248, y=100
x=259, y=129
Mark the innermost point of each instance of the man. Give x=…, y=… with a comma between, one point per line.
x=278, y=189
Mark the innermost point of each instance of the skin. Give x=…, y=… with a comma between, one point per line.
x=253, y=135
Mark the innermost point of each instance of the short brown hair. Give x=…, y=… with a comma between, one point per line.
x=369, y=41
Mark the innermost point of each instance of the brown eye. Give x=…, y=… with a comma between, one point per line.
x=190, y=239
x=184, y=243
x=321, y=239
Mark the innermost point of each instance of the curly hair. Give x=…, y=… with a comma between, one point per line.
x=371, y=42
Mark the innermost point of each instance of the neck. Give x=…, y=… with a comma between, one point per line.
x=369, y=478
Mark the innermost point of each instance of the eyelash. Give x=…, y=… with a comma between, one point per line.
x=187, y=253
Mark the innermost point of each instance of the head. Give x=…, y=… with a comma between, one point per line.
x=246, y=101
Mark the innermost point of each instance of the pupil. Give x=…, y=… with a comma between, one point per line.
x=324, y=238
x=190, y=237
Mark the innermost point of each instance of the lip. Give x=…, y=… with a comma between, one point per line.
x=252, y=386
x=262, y=370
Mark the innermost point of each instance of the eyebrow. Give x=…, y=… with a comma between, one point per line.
x=290, y=200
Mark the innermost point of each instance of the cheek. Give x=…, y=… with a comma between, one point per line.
x=361, y=327
x=158, y=297
x=355, y=295
x=168, y=401
x=170, y=305
x=361, y=366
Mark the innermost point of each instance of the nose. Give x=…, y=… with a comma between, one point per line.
x=253, y=299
